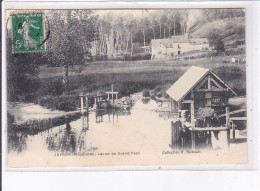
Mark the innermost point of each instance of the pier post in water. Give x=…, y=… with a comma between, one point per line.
x=81, y=103
x=87, y=102
x=233, y=130
x=95, y=102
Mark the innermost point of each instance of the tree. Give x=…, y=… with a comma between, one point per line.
x=72, y=32
x=144, y=25
x=21, y=68
x=215, y=41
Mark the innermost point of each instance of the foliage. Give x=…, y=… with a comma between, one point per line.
x=117, y=34
x=213, y=14
x=35, y=126
x=78, y=31
x=215, y=41
x=71, y=34
x=146, y=93
x=21, y=68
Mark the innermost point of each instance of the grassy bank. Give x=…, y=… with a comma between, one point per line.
x=35, y=126
x=127, y=77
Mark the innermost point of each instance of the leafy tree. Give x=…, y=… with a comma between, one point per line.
x=72, y=32
x=219, y=46
x=215, y=41
x=21, y=69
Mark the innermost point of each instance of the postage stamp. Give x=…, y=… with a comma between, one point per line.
x=28, y=32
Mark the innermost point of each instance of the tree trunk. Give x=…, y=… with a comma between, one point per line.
x=153, y=33
x=144, y=37
x=164, y=32
x=132, y=46
x=160, y=30
x=126, y=50
x=169, y=30
x=173, y=28
x=65, y=76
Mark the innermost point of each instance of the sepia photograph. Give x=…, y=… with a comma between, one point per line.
x=126, y=87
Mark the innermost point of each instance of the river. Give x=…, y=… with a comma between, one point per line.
x=140, y=131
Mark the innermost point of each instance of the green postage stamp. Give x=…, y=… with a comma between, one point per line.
x=28, y=32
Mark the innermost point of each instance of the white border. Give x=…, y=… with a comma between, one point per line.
x=251, y=43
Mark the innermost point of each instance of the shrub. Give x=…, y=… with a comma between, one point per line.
x=134, y=57
x=62, y=102
x=127, y=57
x=100, y=57
x=146, y=93
x=50, y=87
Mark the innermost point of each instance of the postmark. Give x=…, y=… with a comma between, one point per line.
x=27, y=32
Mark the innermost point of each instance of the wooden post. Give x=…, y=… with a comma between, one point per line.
x=192, y=126
x=116, y=98
x=81, y=103
x=227, y=126
x=95, y=102
x=172, y=134
x=86, y=102
x=87, y=120
x=83, y=122
x=233, y=130
x=174, y=140
x=209, y=82
x=108, y=97
x=171, y=104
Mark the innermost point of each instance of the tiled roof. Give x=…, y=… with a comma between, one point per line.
x=199, y=41
x=165, y=42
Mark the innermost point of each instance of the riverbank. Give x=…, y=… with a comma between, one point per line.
x=32, y=119
x=127, y=77
x=34, y=126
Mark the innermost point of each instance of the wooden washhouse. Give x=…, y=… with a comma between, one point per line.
x=200, y=86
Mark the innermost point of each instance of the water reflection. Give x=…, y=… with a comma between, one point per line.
x=72, y=137
x=146, y=100
x=17, y=141
x=63, y=141
x=140, y=127
x=83, y=133
x=99, y=115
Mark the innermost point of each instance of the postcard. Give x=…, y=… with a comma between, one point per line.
x=126, y=87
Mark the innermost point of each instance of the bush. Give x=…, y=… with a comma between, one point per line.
x=127, y=57
x=63, y=102
x=50, y=87
x=100, y=57
x=134, y=57
x=239, y=42
x=144, y=56
x=146, y=93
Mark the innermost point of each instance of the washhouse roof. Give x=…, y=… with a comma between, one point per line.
x=188, y=81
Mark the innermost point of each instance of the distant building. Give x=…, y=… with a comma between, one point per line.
x=162, y=48
x=203, y=87
x=176, y=45
x=146, y=49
